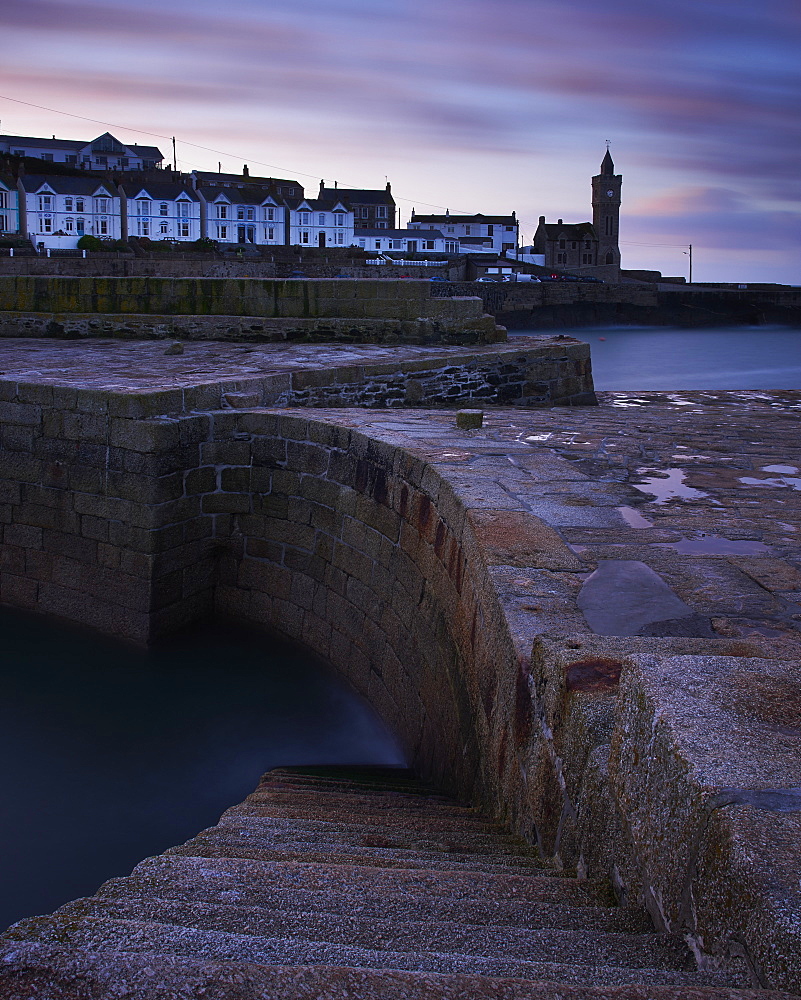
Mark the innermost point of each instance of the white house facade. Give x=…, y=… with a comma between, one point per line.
x=103, y=153
x=319, y=222
x=405, y=241
x=242, y=216
x=475, y=233
x=58, y=211
x=161, y=211
x=9, y=205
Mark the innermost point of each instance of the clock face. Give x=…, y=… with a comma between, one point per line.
x=610, y=194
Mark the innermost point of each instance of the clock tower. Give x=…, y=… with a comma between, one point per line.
x=606, y=211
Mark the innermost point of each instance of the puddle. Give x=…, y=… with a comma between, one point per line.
x=668, y=484
x=634, y=518
x=787, y=477
x=715, y=545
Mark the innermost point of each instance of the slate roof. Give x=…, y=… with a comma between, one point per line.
x=241, y=196
x=403, y=234
x=461, y=220
x=359, y=196
x=31, y=183
x=211, y=178
x=319, y=204
x=159, y=190
x=569, y=231
x=75, y=145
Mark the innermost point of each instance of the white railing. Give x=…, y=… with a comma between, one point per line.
x=407, y=263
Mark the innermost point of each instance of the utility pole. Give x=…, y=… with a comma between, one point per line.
x=689, y=253
x=174, y=158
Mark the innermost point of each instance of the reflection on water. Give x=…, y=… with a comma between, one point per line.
x=109, y=753
x=668, y=358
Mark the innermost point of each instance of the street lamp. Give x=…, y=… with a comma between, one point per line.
x=689, y=253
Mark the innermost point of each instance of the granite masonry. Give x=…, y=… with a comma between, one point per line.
x=452, y=577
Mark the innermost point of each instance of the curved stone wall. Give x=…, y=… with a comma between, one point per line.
x=362, y=552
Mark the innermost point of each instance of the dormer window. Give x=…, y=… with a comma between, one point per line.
x=142, y=208
x=339, y=219
x=183, y=209
x=304, y=218
x=222, y=211
x=102, y=205
x=45, y=203
x=271, y=215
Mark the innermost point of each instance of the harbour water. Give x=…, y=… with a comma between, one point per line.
x=665, y=358
x=109, y=753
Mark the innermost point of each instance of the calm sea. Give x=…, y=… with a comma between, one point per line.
x=663, y=358
x=109, y=753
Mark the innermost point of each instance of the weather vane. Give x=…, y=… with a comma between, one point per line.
x=608, y=144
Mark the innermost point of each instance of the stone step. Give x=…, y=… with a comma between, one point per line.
x=404, y=934
x=52, y=973
x=429, y=838
x=232, y=891
x=248, y=843
x=113, y=936
x=559, y=903
x=356, y=879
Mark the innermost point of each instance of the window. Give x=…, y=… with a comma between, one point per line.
x=450, y=246
x=429, y=245
x=340, y=238
x=270, y=214
x=380, y=225
x=339, y=219
x=46, y=224
x=3, y=200
x=18, y=152
x=561, y=258
x=450, y=229
x=304, y=219
x=381, y=212
x=489, y=230
x=586, y=258
x=304, y=237
x=101, y=205
x=163, y=210
x=101, y=161
x=240, y=213
x=142, y=208
x=587, y=245
x=3, y=224
x=48, y=157
x=183, y=209
x=321, y=219
x=271, y=234
x=143, y=227
x=365, y=213
x=68, y=204
x=222, y=211
x=378, y=244
x=79, y=204
x=164, y=227
x=251, y=215
x=222, y=232
x=69, y=225
x=103, y=227
x=608, y=221
x=362, y=243
x=45, y=203
x=574, y=245
x=467, y=230
x=123, y=161
x=562, y=244
x=183, y=230
x=510, y=229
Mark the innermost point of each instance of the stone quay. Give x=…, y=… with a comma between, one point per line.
x=581, y=620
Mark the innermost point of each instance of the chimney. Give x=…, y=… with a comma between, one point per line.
x=245, y=171
x=542, y=220
x=559, y=222
x=389, y=187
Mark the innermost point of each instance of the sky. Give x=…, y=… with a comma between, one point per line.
x=477, y=106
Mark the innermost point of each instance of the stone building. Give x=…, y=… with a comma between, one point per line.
x=586, y=244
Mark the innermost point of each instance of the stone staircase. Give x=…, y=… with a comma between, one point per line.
x=353, y=883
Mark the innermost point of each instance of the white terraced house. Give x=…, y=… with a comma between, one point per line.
x=9, y=205
x=103, y=153
x=242, y=216
x=475, y=233
x=161, y=211
x=320, y=222
x=57, y=211
x=405, y=241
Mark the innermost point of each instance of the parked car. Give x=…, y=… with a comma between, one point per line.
x=486, y=277
x=297, y=274
x=595, y=281
x=437, y=277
